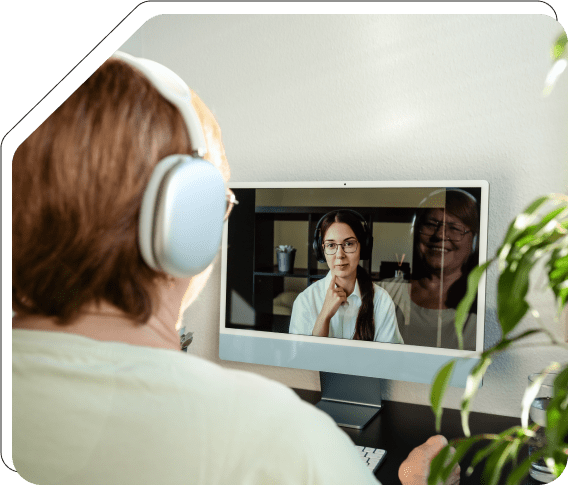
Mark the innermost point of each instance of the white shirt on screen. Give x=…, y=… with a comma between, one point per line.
x=92, y=412
x=342, y=325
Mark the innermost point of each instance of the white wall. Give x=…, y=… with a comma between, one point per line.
x=380, y=98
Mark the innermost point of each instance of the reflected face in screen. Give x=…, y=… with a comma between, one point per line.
x=342, y=264
x=447, y=248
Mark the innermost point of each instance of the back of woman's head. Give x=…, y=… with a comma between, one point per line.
x=77, y=185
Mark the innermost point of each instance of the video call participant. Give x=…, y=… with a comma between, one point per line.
x=345, y=304
x=445, y=251
x=101, y=390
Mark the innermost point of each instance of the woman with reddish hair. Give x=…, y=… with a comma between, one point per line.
x=102, y=393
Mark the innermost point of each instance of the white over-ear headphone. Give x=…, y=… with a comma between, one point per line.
x=181, y=217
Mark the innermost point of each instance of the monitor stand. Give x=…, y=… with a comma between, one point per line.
x=352, y=401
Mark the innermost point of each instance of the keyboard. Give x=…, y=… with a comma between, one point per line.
x=373, y=457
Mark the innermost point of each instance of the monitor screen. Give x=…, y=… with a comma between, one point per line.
x=357, y=278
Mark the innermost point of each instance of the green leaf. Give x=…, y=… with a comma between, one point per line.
x=471, y=387
x=558, y=264
x=504, y=452
x=437, y=466
x=559, y=47
x=558, y=273
x=533, y=227
x=517, y=474
x=557, y=215
x=516, y=433
x=441, y=466
x=546, y=239
x=462, y=446
x=558, y=462
x=519, y=224
x=562, y=298
x=494, y=464
x=557, y=417
x=561, y=382
x=512, y=288
x=509, y=454
x=556, y=435
x=439, y=387
x=540, y=233
x=485, y=452
x=443, y=376
x=478, y=371
x=536, y=204
x=542, y=228
x=462, y=311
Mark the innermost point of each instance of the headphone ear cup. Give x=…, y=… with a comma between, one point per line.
x=317, y=244
x=318, y=250
x=315, y=247
x=367, y=248
x=181, y=217
x=367, y=243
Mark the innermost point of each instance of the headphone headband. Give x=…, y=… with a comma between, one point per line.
x=181, y=216
x=175, y=90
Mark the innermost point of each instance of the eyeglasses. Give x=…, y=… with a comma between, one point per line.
x=452, y=232
x=231, y=202
x=348, y=247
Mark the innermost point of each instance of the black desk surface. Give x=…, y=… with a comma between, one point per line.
x=400, y=427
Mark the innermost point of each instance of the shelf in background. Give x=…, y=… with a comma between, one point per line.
x=295, y=273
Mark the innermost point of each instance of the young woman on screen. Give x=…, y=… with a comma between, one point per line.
x=345, y=304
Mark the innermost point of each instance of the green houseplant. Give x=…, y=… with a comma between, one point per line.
x=537, y=236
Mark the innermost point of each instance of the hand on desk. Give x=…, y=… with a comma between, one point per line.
x=415, y=469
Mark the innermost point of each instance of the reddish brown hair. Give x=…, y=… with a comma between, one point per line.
x=77, y=186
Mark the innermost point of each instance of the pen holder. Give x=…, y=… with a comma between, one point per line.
x=285, y=256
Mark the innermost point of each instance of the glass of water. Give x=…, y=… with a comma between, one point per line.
x=537, y=414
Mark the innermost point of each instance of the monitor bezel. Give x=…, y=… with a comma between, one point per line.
x=268, y=348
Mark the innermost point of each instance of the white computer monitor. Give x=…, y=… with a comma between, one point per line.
x=411, y=252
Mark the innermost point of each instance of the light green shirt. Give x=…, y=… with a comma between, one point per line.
x=90, y=412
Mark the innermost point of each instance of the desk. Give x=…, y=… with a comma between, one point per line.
x=400, y=427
